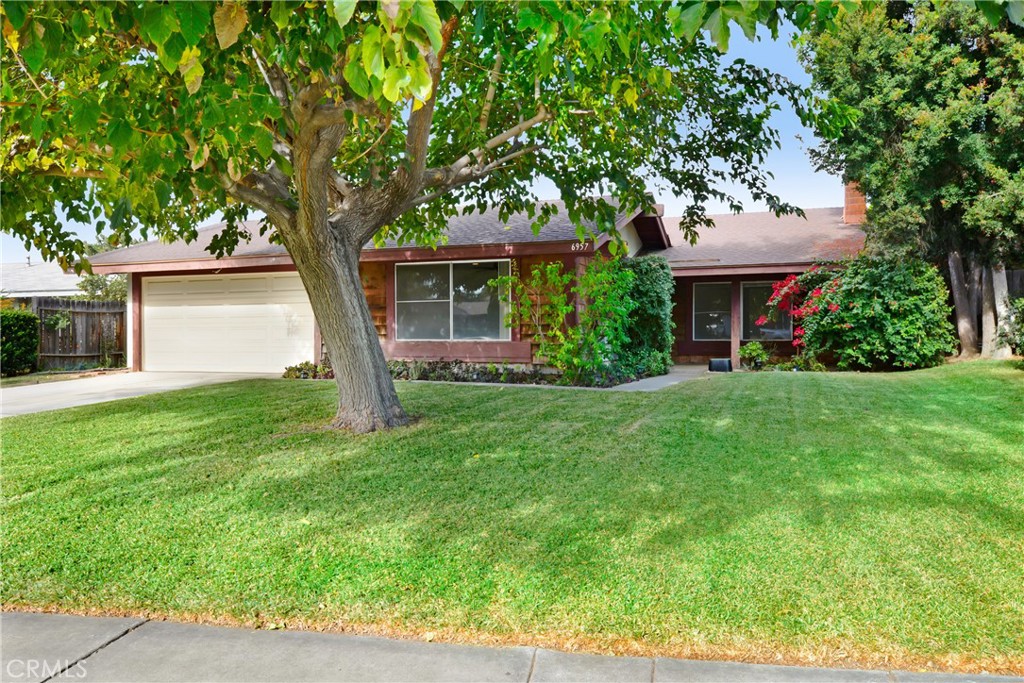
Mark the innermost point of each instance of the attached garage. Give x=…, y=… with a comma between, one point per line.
x=253, y=322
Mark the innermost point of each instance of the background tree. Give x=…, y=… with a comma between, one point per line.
x=103, y=287
x=937, y=147
x=350, y=121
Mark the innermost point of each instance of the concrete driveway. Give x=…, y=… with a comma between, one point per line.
x=36, y=398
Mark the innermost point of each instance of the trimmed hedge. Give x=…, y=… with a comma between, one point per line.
x=649, y=330
x=19, y=349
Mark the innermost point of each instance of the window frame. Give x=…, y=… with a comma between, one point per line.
x=451, y=303
x=693, y=309
x=760, y=283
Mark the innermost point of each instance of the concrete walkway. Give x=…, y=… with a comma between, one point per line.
x=36, y=398
x=678, y=373
x=42, y=647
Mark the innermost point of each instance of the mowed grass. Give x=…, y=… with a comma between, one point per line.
x=872, y=519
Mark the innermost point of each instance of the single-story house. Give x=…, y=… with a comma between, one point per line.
x=24, y=281
x=249, y=312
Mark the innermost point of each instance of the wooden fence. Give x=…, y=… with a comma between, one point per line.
x=79, y=334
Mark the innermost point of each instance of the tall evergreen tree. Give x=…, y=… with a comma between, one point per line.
x=937, y=146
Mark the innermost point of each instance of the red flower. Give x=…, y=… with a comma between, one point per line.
x=799, y=332
x=833, y=307
x=761, y=321
x=816, y=293
x=798, y=342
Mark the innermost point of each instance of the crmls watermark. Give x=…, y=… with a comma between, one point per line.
x=40, y=669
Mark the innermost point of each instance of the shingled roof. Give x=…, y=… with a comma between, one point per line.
x=763, y=239
x=471, y=229
x=24, y=280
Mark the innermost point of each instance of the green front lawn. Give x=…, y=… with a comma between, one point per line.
x=842, y=518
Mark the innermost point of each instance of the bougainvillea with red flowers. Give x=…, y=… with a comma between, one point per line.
x=871, y=314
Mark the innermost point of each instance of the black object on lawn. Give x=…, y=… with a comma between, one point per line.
x=720, y=365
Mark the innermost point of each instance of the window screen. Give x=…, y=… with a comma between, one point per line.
x=423, y=300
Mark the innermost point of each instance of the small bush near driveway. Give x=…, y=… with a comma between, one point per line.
x=19, y=347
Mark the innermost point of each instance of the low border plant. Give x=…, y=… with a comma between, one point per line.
x=754, y=355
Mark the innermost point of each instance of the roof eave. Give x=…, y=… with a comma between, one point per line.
x=742, y=269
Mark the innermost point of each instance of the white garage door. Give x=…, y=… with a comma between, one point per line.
x=225, y=323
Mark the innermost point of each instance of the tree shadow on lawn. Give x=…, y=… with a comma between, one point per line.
x=586, y=530
x=723, y=515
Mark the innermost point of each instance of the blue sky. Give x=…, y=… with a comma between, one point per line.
x=795, y=179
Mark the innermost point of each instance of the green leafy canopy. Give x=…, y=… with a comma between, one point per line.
x=938, y=146
x=151, y=117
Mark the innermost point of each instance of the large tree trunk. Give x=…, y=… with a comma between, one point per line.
x=995, y=311
x=367, y=400
x=326, y=255
x=965, y=320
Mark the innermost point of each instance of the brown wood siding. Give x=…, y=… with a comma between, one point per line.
x=374, y=277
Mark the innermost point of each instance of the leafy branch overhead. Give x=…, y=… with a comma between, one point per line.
x=175, y=110
x=157, y=115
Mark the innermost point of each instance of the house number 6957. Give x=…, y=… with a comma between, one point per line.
x=580, y=246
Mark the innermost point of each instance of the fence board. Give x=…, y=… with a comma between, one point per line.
x=75, y=333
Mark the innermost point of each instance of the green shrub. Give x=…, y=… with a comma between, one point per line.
x=309, y=370
x=589, y=351
x=872, y=314
x=803, y=362
x=459, y=371
x=754, y=355
x=1012, y=331
x=19, y=350
x=648, y=349
x=598, y=339
x=624, y=330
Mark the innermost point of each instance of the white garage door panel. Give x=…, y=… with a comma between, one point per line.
x=226, y=323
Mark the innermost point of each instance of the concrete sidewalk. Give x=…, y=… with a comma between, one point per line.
x=37, y=398
x=43, y=647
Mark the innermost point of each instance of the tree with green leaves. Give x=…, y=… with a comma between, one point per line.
x=102, y=287
x=348, y=121
x=937, y=146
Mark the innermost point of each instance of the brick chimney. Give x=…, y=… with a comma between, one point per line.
x=855, y=205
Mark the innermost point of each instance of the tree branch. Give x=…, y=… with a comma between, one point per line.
x=258, y=197
x=73, y=173
x=470, y=175
x=477, y=154
x=325, y=115
x=275, y=79
x=421, y=120
x=489, y=98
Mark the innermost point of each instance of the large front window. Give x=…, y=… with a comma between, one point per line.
x=755, y=304
x=712, y=311
x=450, y=301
